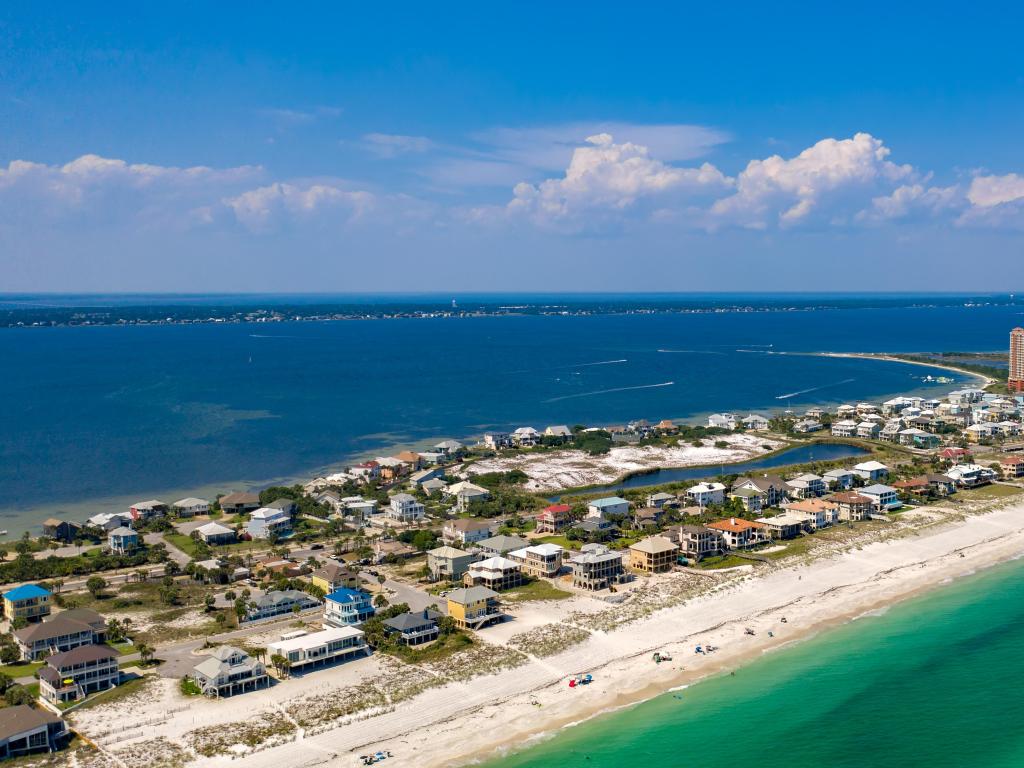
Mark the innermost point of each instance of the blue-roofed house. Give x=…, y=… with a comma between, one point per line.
x=610, y=505
x=347, y=607
x=29, y=601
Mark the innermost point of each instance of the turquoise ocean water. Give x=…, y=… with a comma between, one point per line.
x=935, y=681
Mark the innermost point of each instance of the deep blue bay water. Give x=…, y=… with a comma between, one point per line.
x=91, y=417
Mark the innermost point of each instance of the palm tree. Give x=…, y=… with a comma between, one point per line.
x=146, y=652
x=281, y=664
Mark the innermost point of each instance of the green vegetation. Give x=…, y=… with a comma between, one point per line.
x=987, y=492
x=189, y=687
x=27, y=669
x=535, y=589
x=118, y=693
x=722, y=561
x=305, y=504
x=26, y=568
x=593, y=443
x=494, y=480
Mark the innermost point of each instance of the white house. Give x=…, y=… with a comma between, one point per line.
x=844, y=428
x=970, y=475
x=524, y=437
x=807, y=486
x=704, y=494
x=869, y=430
x=405, y=509
x=320, y=647
x=465, y=493
x=723, y=420
x=191, y=506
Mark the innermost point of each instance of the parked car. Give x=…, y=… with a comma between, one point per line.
x=317, y=546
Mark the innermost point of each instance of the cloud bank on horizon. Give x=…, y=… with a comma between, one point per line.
x=607, y=182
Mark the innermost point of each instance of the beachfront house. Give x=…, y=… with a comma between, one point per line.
x=695, y=542
x=239, y=503
x=705, y=494
x=144, y=510
x=609, y=505
x=468, y=530
x=280, y=603
x=941, y=485
x=474, y=607
x=525, y=437
x=541, y=560
x=228, y=671
x=215, y=534
x=72, y=675
x=596, y=567
x=872, y=471
x=190, y=507
x=852, y=506
x=346, y=607
x=449, y=447
x=805, y=426
x=414, y=628
x=737, y=533
x=723, y=421
x=497, y=440
x=29, y=601
x=820, y=513
x=123, y=541
x=1012, y=467
x=554, y=519
x=448, y=563
x=68, y=629
x=884, y=498
x=970, y=475
x=784, y=526
x=495, y=573
x=61, y=530
x=268, y=523
x=655, y=554
x=320, y=648
x=333, y=575
x=561, y=431
x=25, y=730
x=755, y=422
x=405, y=509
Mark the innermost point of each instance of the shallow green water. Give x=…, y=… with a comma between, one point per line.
x=937, y=681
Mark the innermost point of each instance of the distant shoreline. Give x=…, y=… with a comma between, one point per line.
x=987, y=381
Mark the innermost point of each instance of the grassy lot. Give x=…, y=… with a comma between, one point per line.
x=723, y=561
x=441, y=648
x=537, y=589
x=987, y=492
x=561, y=541
x=186, y=544
x=21, y=670
x=122, y=691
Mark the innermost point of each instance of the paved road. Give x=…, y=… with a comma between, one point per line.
x=416, y=599
x=173, y=552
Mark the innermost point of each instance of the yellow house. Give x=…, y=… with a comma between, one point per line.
x=653, y=555
x=474, y=607
x=30, y=602
x=333, y=576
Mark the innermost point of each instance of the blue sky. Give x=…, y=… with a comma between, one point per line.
x=527, y=146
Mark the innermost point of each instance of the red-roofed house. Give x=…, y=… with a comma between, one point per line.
x=555, y=518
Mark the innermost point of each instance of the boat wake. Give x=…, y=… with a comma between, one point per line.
x=812, y=389
x=608, y=391
x=574, y=365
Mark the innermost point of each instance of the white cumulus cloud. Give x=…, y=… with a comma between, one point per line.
x=787, y=191
x=265, y=206
x=987, y=191
x=606, y=176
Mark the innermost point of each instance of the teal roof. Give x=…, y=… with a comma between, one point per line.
x=26, y=592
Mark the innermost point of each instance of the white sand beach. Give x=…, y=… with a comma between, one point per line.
x=425, y=721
